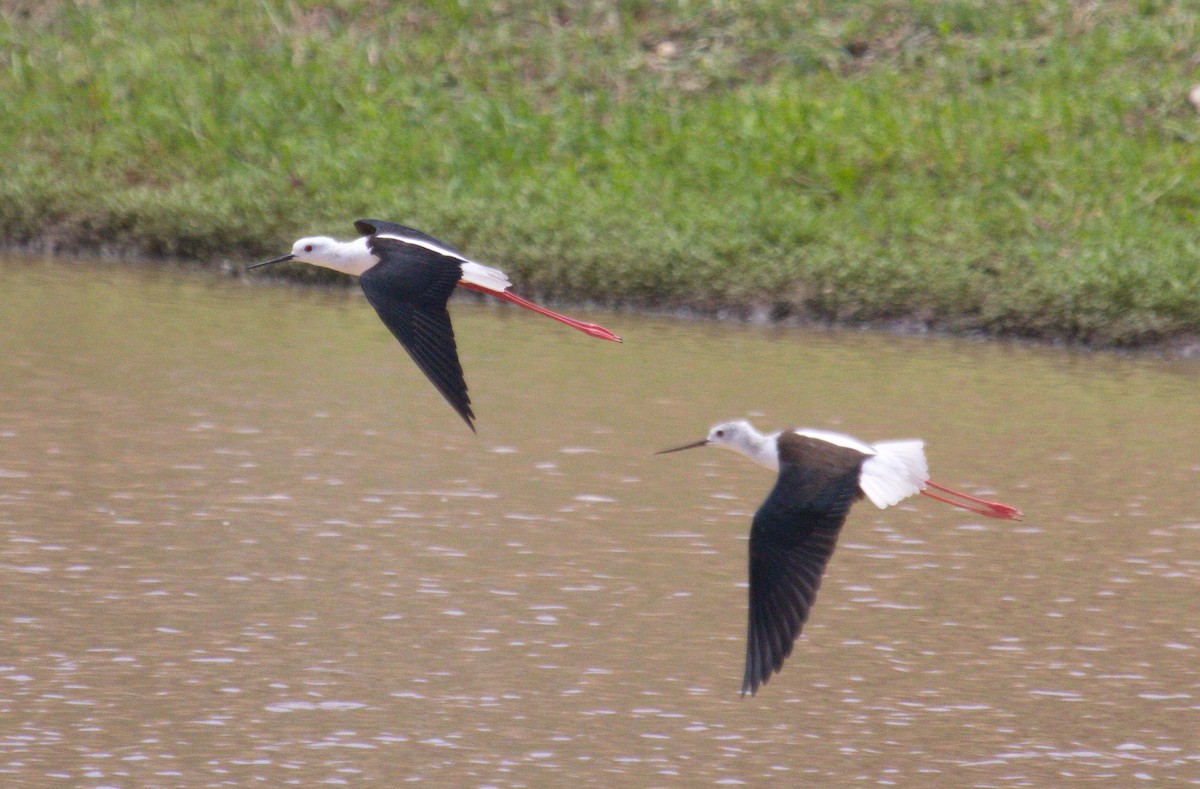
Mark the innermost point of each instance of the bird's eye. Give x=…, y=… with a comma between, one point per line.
x=720, y=434
x=308, y=247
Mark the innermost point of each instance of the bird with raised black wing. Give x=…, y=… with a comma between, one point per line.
x=408, y=277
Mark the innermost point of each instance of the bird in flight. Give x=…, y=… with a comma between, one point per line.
x=793, y=534
x=408, y=277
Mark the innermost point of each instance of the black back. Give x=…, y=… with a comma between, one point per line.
x=791, y=539
x=409, y=288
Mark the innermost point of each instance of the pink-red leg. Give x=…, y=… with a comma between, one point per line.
x=509, y=296
x=991, y=509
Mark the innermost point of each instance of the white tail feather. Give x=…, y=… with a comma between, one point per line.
x=485, y=276
x=896, y=471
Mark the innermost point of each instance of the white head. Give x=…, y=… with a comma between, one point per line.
x=348, y=257
x=314, y=249
x=739, y=436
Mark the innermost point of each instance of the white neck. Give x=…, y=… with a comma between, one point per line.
x=348, y=257
x=763, y=450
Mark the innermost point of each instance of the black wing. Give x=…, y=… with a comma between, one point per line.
x=370, y=227
x=792, y=537
x=409, y=288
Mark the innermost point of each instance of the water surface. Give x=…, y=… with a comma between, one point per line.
x=243, y=540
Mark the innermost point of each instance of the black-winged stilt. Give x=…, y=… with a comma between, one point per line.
x=792, y=536
x=408, y=278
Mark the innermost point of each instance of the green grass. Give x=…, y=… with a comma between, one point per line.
x=1028, y=168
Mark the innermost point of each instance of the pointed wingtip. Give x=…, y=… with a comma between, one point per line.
x=750, y=686
x=751, y=679
x=465, y=413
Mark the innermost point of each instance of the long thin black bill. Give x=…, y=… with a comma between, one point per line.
x=280, y=259
x=693, y=445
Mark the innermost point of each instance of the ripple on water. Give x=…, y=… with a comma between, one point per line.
x=301, y=705
x=595, y=498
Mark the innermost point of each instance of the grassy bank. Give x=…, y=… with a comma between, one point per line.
x=1027, y=168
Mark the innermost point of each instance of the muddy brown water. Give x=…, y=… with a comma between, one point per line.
x=243, y=541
